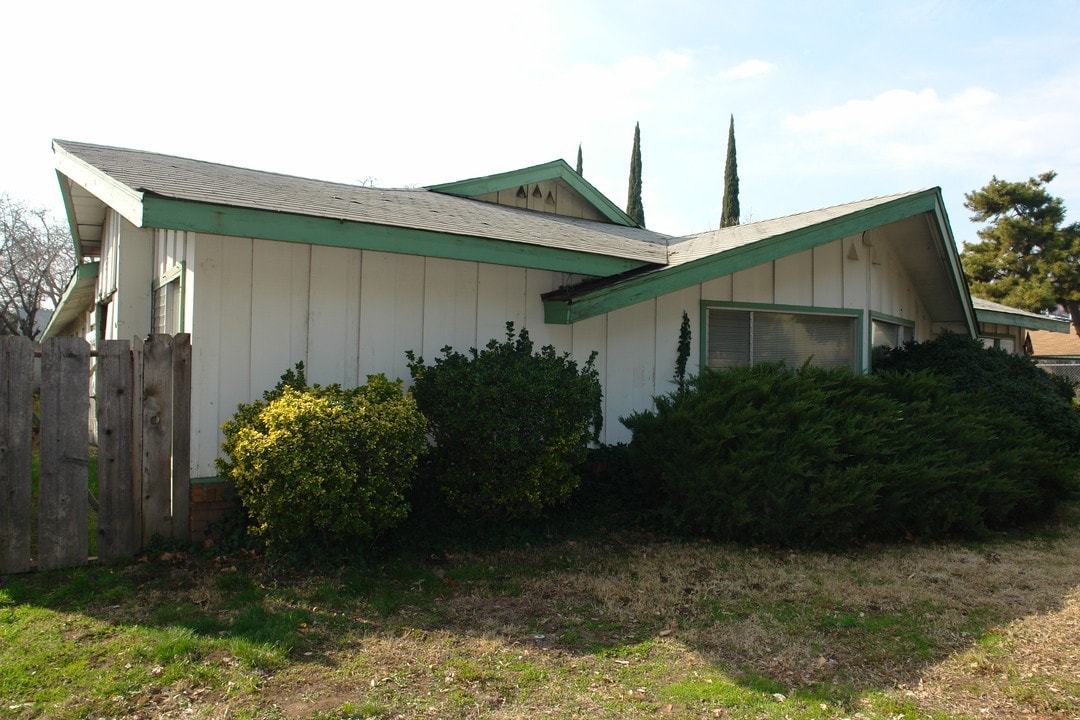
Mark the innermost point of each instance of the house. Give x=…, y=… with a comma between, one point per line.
x=1011, y=329
x=266, y=270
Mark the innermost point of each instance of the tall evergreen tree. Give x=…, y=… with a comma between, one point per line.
x=633, y=196
x=1027, y=257
x=729, y=215
x=578, y=168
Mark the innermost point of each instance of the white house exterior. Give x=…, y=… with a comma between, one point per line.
x=266, y=270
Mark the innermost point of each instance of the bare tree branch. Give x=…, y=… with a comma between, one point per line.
x=36, y=260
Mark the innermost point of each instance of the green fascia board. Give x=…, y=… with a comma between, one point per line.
x=248, y=222
x=677, y=277
x=69, y=210
x=956, y=269
x=66, y=310
x=1025, y=321
x=537, y=173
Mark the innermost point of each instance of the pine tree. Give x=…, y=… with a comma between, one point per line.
x=633, y=197
x=578, y=168
x=729, y=215
x=1026, y=257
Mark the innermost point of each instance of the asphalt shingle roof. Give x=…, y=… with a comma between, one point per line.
x=205, y=182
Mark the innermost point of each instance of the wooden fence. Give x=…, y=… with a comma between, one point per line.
x=143, y=419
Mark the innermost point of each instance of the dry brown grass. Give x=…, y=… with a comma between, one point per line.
x=631, y=626
x=989, y=632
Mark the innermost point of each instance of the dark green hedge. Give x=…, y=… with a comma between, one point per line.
x=812, y=457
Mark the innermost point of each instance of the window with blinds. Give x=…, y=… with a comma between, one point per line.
x=745, y=337
x=166, y=304
x=892, y=335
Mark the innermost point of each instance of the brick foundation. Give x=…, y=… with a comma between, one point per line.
x=210, y=503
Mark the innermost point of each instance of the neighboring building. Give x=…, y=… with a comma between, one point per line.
x=1007, y=328
x=265, y=270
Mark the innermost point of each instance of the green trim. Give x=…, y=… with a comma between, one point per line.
x=246, y=222
x=209, y=480
x=82, y=275
x=875, y=315
x=1024, y=321
x=69, y=210
x=858, y=315
x=673, y=278
x=948, y=244
x=556, y=169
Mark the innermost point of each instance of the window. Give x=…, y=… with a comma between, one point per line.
x=745, y=337
x=1003, y=343
x=890, y=334
x=166, y=318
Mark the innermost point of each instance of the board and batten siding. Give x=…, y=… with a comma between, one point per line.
x=124, y=278
x=256, y=307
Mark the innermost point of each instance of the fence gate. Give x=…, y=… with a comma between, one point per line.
x=143, y=421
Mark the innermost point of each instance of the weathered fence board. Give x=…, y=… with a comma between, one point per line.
x=116, y=517
x=65, y=442
x=143, y=414
x=181, y=437
x=16, y=438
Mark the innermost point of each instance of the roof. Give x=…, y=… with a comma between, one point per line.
x=154, y=190
x=557, y=169
x=1054, y=343
x=621, y=264
x=915, y=221
x=78, y=295
x=988, y=311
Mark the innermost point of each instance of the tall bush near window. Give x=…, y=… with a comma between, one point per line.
x=509, y=424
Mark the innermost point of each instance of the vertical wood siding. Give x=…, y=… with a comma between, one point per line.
x=258, y=307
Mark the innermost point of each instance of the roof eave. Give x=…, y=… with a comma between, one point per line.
x=1023, y=320
x=213, y=219
x=125, y=200
x=562, y=307
x=73, y=302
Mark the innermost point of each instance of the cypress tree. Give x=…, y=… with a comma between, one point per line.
x=729, y=215
x=578, y=168
x=633, y=197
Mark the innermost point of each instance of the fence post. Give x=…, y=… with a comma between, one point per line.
x=16, y=441
x=65, y=439
x=181, y=437
x=156, y=438
x=116, y=493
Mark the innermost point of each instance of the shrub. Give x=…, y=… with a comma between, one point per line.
x=825, y=458
x=509, y=425
x=1044, y=400
x=324, y=463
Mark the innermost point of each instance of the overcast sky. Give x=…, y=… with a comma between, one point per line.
x=833, y=101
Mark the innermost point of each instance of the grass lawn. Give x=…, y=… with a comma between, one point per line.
x=606, y=626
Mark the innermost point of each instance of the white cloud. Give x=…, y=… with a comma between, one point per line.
x=748, y=69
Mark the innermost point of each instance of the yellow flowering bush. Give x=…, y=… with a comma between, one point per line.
x=324, y=463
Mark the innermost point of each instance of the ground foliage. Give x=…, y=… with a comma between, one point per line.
x=611, y=624
x=950, y=440
x=509, y=424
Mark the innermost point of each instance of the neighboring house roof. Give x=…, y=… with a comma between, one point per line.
x=1054, y=343
x=988, y=311
x=153, y=190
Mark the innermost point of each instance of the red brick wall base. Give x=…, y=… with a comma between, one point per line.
x=210, y=503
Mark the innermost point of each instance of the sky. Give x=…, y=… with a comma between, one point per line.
x=833, y=100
